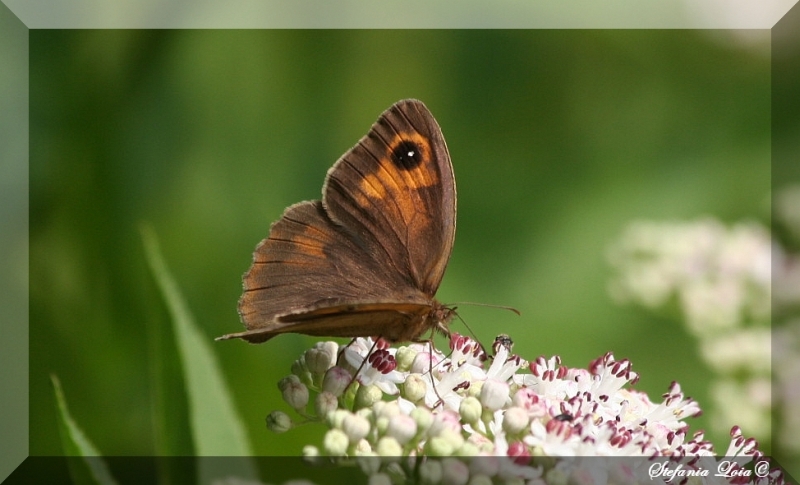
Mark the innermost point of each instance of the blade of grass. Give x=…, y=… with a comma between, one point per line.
x=217, y=429
x=92, y=470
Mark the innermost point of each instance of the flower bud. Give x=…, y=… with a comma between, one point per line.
x=395, y=471
x=414, y=388
x=367, y=396
x=389, y=447
x=515, y=420
x=379, y=479
x=331, y=347
x=494, y=394
x=355, y=427
x=363, y=448
x=480, y=480
x=438, y=446
x=525, y=397
x=278, y=422
x=454, y=472
x=423, y=417
x=454, y=438
x=556, y=476
x=318, y=359
x=335, y=442
x=519, y=453
x=325, y=403
x=299, y=367
x=485, y=446
x=310, y=454
x=488, y=466
x=405, y=357
x=336, y=380
x=295, y=393
x=430, y=472
x=422, y=362
x=288, y=381
x=367, y=460
x=444, y=420
x=468, y=449
x=470, y=410
x=475, y=389
x=336, y=418
x=386, y=409
x=402, y=428
x=381, y=423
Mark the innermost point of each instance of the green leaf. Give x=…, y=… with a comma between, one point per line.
x=216, y=427
x=92, y=470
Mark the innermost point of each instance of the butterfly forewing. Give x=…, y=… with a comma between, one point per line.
x=395, y=190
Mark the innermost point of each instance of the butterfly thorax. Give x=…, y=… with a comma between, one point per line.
x=434, y=319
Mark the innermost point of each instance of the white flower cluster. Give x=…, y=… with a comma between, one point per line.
x=412, y=402
x=720, y=279
x=720, y=276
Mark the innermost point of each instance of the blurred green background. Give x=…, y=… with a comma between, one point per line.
x=558, y=139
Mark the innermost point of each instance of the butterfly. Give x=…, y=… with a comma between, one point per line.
x=368, y=258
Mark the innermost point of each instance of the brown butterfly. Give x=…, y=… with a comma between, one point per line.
x=368, y=258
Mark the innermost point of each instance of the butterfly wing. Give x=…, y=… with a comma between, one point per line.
x=368, y=258
x=395, y=193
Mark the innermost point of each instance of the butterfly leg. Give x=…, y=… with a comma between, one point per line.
x=429, y=341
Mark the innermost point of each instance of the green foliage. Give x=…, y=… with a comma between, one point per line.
x=217, y=429
x=92, y=470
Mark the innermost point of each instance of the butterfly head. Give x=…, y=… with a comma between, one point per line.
x=440, y=317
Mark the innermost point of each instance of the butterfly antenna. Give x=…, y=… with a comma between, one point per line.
x=502, y=307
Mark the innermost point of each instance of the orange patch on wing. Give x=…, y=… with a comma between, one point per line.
x=310, y=242
x=400, y=185
x=423, y=175
x=373, y=187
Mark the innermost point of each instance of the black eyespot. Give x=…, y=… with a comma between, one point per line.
x=407, y=155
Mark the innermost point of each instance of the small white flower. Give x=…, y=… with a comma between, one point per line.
x=377, y=368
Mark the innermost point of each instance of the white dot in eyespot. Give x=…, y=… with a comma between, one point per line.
x=411, y=154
